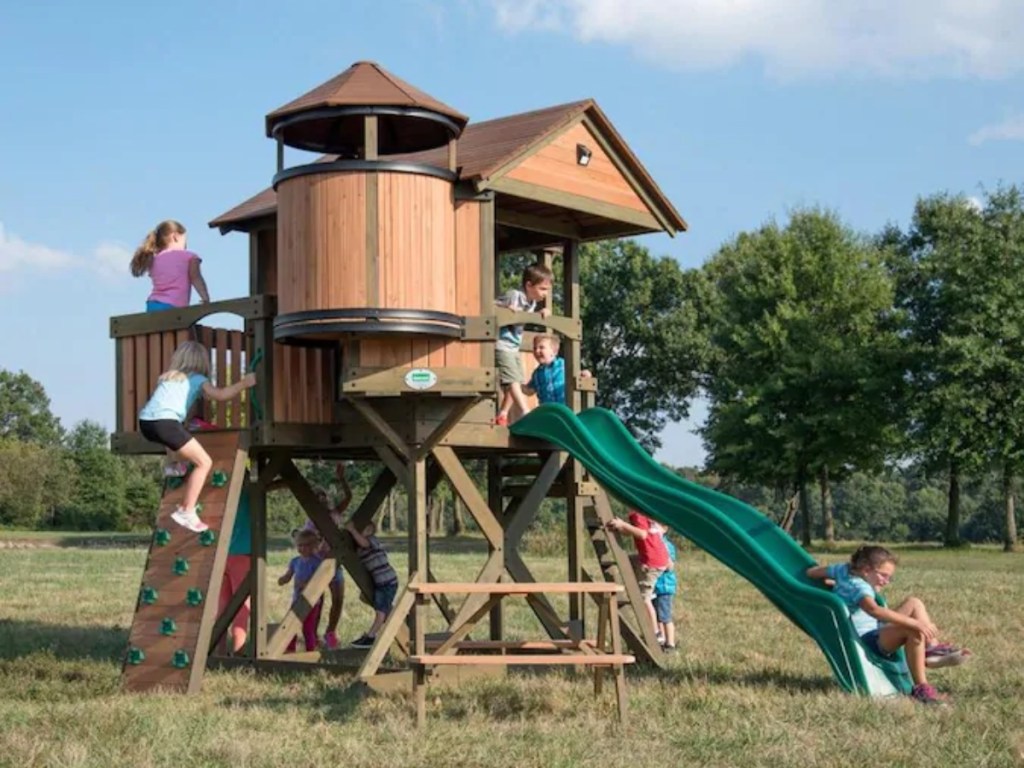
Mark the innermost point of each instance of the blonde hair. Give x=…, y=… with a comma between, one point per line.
x=189, y=357
x=555, y=341
x=155, y=242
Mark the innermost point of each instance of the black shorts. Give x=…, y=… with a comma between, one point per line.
x=169, y=432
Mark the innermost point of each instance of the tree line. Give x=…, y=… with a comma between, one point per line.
x=859, y=385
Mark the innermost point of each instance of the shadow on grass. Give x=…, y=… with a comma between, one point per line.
x=717, y=675
x=63, y=641
x=326, y=699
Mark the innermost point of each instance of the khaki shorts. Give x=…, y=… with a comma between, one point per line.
x=510, y=367
x=647, y=577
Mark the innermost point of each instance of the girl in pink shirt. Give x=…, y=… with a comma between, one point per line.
x=173, y=269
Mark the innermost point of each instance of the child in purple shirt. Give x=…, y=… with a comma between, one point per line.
x=173, y=269
x=302, y=568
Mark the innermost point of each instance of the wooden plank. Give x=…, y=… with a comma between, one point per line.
x=183, y=318
x=383, y=381
x=577, y=202
x=514, y=645
x=236, y=414
x=126, y=405
x=540, y=659
x=464, y=486
x=515, y=588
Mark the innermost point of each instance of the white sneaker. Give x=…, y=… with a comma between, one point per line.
x=189, y=519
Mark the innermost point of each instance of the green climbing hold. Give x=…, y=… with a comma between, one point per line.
x=168, y=626
x=148, y=596
x=135, y=655
x=175, y=482
x=219, y=478
x=180, y=566
x=194, y=597
x=207, y=537
x=180, y=659
x=162, y=537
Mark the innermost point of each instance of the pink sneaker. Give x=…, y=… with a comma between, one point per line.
x=501, y=420
x=330, y=641
x=926, y=694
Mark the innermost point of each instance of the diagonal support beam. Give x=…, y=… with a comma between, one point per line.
x=464, y=486
x=380, y=424
x=389, y=633
x=459, y=409
x=311, y=594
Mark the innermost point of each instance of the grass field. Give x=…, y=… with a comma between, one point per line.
x=747, y=688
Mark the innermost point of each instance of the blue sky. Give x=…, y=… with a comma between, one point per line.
x=119, y=115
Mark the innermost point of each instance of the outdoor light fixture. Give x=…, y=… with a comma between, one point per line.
x=582, y=154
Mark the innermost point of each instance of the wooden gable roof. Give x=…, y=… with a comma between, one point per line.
x=507, y=153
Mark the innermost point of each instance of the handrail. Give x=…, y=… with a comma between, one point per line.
x=248, y=308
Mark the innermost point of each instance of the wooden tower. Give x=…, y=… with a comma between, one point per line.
x=373, y=273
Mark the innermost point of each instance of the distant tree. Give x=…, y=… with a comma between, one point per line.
x=35, y=481
x=805, y=367
x=25, y=410
x=98, y=500
x=959, y=274
x=85, y=435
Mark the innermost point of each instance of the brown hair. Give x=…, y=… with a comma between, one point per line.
x=306, y=535
x=537, y=273
x=155, y=242
x=870, y=556
x=555, y=342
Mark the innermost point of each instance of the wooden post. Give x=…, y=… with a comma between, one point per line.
x=417, y=491
x=258, y=569
x=494, y=502
x=574, y=474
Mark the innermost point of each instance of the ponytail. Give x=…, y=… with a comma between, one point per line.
x=155, y=242
x=142, y=261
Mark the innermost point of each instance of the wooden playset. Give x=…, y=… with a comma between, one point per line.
x=373, y=273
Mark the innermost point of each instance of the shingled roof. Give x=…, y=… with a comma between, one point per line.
x=485, y=149
x=365, y=83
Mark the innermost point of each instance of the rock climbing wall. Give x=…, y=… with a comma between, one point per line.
x=177, y=603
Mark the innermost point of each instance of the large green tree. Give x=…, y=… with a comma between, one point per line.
x=805, y=366
x=642, y=337
x=25, y=410
x=959, y=273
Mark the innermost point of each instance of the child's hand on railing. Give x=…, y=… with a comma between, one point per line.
x=249, y=380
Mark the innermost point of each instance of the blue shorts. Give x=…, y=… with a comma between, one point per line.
x=663, y=608
x=384, y=597
x=158, y=306
x=870, y=640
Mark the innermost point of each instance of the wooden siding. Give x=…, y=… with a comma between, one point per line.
x=321, y=242
x=145, y=356
x=554, y=166
x=303, y=385
x=468, y=299
x=416, y=258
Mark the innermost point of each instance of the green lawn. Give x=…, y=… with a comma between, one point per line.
x=747, y=689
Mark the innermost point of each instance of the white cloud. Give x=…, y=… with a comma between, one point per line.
x=1010, y=129
x=795, y=38
x=18, y=256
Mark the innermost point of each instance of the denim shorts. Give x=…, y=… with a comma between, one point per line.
x=663, y=608
x=384, y=597
x=870, y=640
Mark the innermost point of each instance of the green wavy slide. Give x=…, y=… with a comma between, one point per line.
x=732, y=532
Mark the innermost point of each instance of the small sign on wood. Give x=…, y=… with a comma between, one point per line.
x=420, y=379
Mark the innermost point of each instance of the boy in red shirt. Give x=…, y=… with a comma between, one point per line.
x=652, y=555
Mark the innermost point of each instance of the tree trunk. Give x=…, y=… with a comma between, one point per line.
x=827, y=520
x=952, y=538
x=792, y=502
x=805, y=510
x=1010, y=533
x=458, y=520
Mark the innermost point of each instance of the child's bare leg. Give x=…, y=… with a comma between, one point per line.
x=649, y=604
x=516, y=390
x=506, y=400
x=891, y=637
x=670, y=633
x=194, y=452
x=914, y=607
